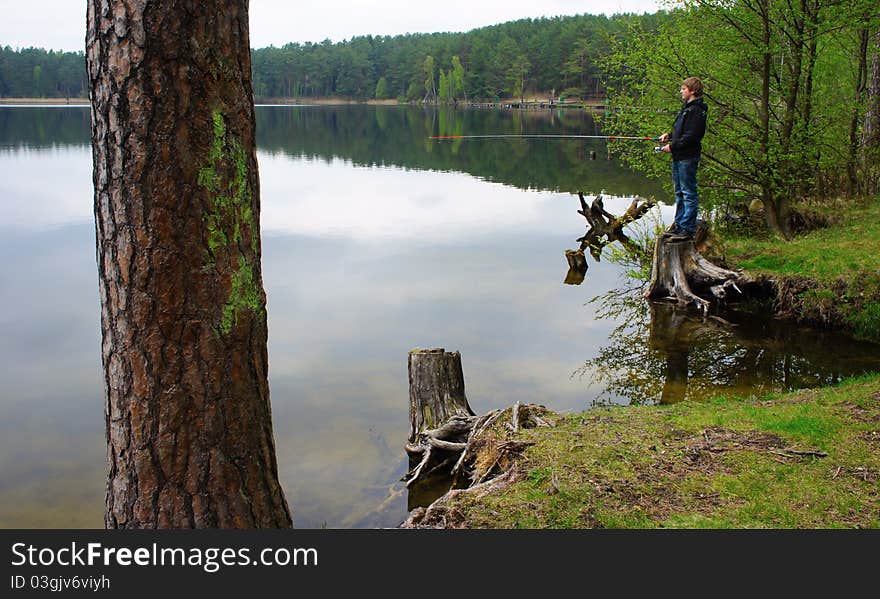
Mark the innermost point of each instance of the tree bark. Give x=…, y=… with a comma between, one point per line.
x=871, y=129
x=183, y=316
x=436, y=389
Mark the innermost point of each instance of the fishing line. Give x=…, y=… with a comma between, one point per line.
x=545, y=136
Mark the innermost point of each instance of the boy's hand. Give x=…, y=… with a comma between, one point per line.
x=664, y=138
x=666, y=148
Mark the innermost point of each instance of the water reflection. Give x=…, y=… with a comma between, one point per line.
x=664, y=354
x=375, y=241
x=673, y=332
x=44, y=127
x=46, y=187
x=340, y=200
x=379, y=136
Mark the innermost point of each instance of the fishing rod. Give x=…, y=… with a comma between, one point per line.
x=553, y=136
x=546, y=136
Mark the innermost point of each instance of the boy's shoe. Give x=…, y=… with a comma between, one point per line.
x=673, y=230
x=681, y=236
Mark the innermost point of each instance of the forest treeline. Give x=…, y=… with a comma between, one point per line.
x=39, y=73
x=559, y=54
x=793, y=88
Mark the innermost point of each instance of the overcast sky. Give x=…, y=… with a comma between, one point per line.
x=61, y=24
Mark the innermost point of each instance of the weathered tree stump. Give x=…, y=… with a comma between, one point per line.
x=436, y=389
x=451, y=449
x=440, y=417
x=681, y=274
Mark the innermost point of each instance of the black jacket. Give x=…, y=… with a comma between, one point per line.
x=688, y=130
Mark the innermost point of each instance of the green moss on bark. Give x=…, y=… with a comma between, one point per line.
x=230, y=214
x=244, y=295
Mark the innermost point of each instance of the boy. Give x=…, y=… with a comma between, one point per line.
x=684, y=145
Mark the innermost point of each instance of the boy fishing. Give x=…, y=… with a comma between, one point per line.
x=684, y=143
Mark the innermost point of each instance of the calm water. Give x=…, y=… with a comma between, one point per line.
x=375, y=241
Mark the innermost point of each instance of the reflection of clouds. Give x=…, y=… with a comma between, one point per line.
x=50, y=280
x=52, y=448
x=316, y=197
x=500, y=302
x=43, y=188
x=360, y=266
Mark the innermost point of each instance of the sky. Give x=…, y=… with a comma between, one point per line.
x=60, y=24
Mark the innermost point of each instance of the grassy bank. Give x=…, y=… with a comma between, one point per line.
x=829, y=276
x=809, y=459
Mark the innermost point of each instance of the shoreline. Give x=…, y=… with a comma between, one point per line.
x=804, y=459
x=798, y=460
x=535, y=103
x=44, y=101
x=531, y=103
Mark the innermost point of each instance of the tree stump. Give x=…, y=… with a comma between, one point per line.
x=441, y=419
x=451, y=450
x=436, y=390
x=449, y=446
x=679, y=273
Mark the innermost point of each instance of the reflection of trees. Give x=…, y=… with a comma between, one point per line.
x=661, y=354
x=400, y=137
x=44, y=127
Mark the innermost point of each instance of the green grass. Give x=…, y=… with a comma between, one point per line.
x=849, y=247
x=865, y=323
x=725, y=463
x=832, y=275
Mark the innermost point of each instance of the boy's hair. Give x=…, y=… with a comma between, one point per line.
x=694, y=84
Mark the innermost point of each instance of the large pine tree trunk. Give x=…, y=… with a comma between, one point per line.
x=188, y=423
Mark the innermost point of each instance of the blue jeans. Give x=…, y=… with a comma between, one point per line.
x=684, y=183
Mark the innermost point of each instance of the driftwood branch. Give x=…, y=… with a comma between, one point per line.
x=605, y=228
x=602, y=228
x=789, y=453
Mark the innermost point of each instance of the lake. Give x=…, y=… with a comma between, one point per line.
x=376, y=240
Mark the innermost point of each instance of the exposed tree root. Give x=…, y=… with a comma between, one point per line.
x=487, y=461
x=439, y=514
x=679, y=273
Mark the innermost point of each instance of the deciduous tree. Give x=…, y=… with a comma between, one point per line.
x=783, y=97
